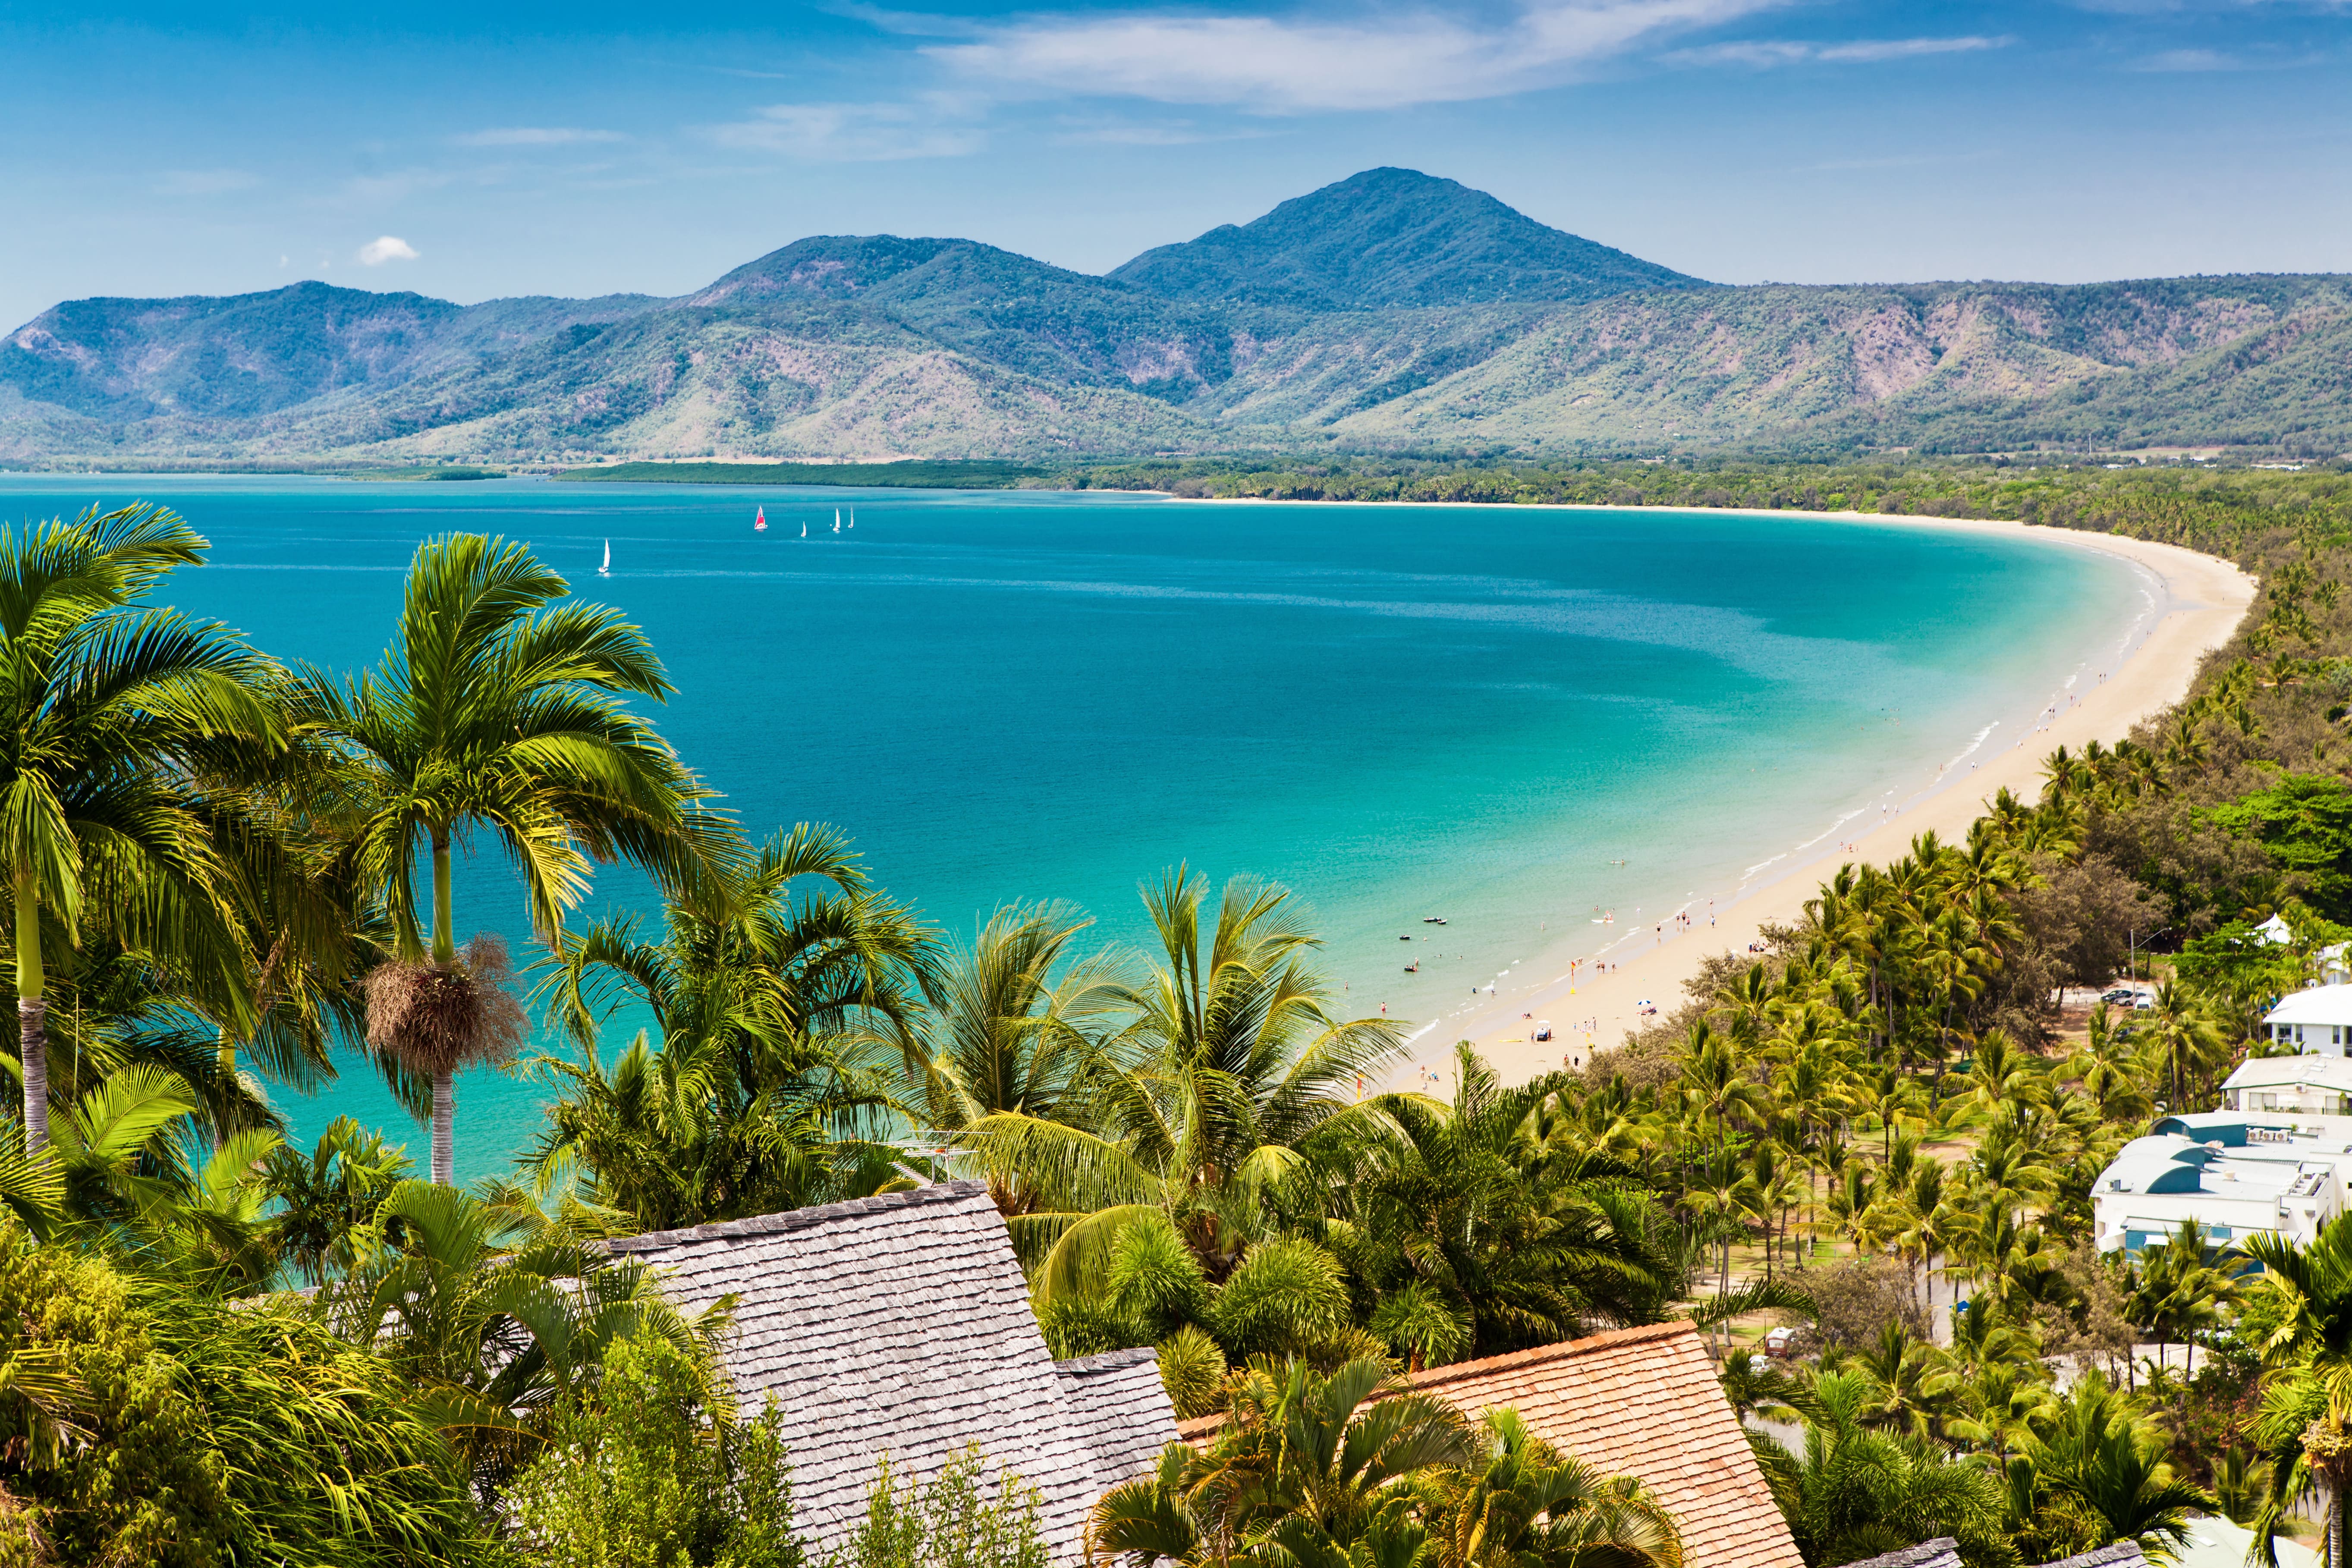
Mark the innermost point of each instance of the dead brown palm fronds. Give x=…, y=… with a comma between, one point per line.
x=435, y=1018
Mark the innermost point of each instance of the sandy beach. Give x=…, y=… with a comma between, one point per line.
x=2199, y=604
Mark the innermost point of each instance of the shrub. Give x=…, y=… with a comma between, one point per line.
x=948, y=1522
x=656, y=1473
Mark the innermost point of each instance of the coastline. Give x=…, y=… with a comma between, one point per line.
x=2202, y=601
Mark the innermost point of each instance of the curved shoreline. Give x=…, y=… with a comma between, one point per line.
x=2202, y=600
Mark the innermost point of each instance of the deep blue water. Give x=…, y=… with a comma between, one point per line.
x=1395, y=710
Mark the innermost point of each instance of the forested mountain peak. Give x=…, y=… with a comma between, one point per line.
x=1388, y=237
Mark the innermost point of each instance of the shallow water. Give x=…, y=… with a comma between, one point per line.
x=1399, y=712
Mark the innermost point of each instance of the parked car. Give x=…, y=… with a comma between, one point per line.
x=2120, y=993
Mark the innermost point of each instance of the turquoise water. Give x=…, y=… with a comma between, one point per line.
x=1471, y=711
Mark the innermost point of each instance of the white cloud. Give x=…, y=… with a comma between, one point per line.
x=383, y=249
x=1280, y=65
x=1767, y=52
x=535, y=136
x=205, y=182
x=853, y=132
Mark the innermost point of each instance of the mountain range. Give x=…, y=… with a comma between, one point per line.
x=1390, y=310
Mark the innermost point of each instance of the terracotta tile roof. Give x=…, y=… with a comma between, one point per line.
x=1633, y=1402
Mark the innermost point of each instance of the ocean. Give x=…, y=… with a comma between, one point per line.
x=1513, y=718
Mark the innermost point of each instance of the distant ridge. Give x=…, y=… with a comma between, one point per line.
x=1390, y=238
x=1389, y=311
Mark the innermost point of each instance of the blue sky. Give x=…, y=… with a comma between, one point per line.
x=490, y=148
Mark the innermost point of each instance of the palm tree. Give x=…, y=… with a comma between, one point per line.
x=1014, y=1027
x=117, y=715
x=1232, y=1059
x=1856, y=1493
x=2183, y=1038
x=2099, y=1476
x=498, y=706
x=2304, y=1427
x=774, y=1011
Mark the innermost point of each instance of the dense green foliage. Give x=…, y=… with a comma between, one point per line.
x=658, y=1473
x=948, y=1521
x=1883, y=1108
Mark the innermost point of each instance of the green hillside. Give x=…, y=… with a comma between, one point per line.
x=1390, y=238
x=1458, y=327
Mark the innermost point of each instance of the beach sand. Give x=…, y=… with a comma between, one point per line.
x=2201, y=604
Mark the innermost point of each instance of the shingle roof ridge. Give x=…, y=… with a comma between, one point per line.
x=1943, y=1549
x=2115, y=1555
x=1604, y=1339
x=798, y=1219
x=1105, y=1361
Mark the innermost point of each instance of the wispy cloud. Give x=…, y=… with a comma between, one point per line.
x=1167, y=134
x=535, y=136
x=1285, y=65
x=1764, y=53
x=205, y=182
x=386, y=247
x=854, y=132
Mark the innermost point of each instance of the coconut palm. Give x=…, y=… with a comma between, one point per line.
x=1015, y=1025
x=1232, y=1058
x=497, y=706
x=117, y=714
x=1321, y=1459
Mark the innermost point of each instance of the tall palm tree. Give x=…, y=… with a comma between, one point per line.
x=116, y=714
x=498, y=706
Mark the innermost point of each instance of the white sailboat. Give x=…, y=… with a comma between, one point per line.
x=836, y=520
x=853, y=517
x=606, y=569
x=804, y=528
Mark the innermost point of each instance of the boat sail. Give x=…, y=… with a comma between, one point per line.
x=606, y=569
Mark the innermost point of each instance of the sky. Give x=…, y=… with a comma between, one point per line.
x=475, y=151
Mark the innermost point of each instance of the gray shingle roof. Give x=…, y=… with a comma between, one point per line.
x=2122, y=1554
x=1941, y=1553
x=902, y=1324
x=1119, y=1402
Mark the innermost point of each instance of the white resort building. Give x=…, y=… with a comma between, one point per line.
x=2298, y=1086
x=2318, y=1020
x=2235, y=1175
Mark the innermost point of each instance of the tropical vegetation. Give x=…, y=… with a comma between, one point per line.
x=1880, y=1129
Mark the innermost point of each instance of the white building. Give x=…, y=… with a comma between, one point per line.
x=2298, y=1086
x=2318, y=1020
x=2234, y=1175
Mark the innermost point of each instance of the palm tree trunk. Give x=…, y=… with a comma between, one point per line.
x=444, y=1116
x=445, y=951
x=32, y=1016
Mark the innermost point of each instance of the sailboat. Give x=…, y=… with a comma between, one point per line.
x=853, y=517
x=760, y=525
x=803, y=528
x=606, y=569
x=836, y=520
